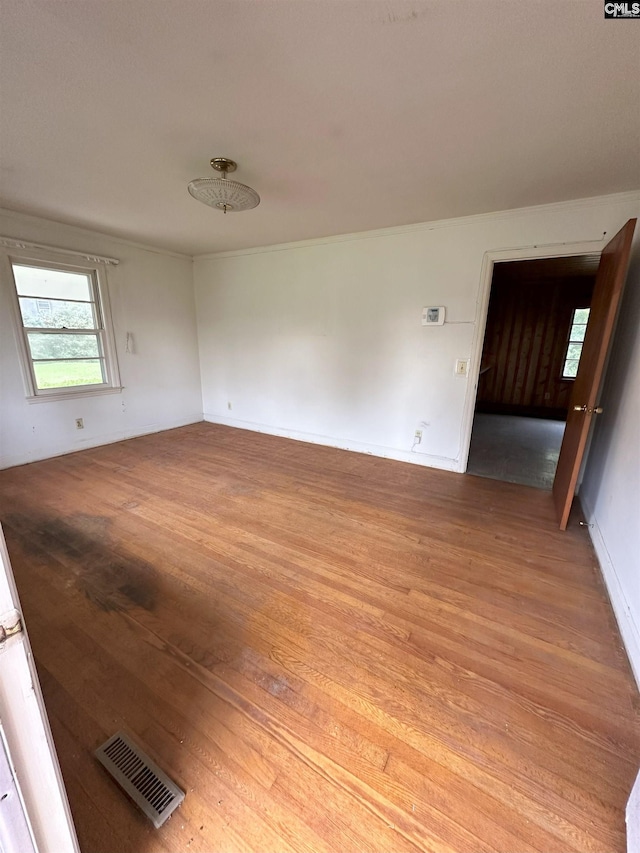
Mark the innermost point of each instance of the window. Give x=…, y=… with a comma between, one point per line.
x=574, y=345
x=66, y=338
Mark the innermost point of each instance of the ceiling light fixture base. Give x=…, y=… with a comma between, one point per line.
x=223, y=164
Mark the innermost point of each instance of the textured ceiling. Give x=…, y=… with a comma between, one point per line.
x=345, y=115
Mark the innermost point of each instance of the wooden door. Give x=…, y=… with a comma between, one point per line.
x=583, y=404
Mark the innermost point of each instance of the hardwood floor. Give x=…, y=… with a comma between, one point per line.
x=328, y=651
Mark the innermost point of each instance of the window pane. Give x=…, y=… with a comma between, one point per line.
x=63, y=346
x=577, y=332
x=50, y=314
x=61, y=374
x=35, y=281
x=581, y=315
x=570, y=368
x=574, y=350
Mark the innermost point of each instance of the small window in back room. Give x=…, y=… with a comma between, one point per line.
x=574, y=345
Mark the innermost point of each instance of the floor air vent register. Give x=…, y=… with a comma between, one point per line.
x=150, y=789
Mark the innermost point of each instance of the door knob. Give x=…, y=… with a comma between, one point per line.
x=598, y=410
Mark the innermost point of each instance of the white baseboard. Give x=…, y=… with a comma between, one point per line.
x=11, y=461
x=629, y=630
x=415, y=458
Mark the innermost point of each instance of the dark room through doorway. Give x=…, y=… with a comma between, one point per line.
x=536, y=322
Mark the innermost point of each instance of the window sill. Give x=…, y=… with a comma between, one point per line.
x=73, y=395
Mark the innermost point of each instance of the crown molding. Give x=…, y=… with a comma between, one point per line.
x=461, y=221
x=593, y=201
x=19, y=216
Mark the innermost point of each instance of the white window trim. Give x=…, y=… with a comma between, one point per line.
x=18, y=252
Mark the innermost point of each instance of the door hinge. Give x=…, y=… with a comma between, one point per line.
x=10, y=626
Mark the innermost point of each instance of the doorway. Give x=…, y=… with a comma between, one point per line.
x=536, y=322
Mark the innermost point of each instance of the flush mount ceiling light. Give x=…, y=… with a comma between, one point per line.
x=228, y=196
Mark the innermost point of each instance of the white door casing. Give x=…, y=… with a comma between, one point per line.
x=27, y=735
x=526, y=253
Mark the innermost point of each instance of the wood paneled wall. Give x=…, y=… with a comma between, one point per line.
x=529, y=316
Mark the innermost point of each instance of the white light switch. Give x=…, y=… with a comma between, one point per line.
x=462, y=367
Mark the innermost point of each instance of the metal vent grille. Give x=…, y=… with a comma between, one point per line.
x=140, y=777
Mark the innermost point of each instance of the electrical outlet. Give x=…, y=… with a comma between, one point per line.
x=417, y=436
x=462, y=367
x=79, y=423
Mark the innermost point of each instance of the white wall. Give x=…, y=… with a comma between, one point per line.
x=152, y=297
x=322, y=340
x=610, y=491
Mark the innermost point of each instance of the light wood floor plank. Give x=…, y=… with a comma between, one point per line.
x=327, y=650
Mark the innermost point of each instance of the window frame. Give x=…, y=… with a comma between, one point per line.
x=568, y=343
x=95, y=269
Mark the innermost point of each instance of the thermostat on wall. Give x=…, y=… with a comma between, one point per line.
x=433, y=316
